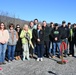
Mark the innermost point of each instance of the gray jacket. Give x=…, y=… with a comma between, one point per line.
x=10, y=41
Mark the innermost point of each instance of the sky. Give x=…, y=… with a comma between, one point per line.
x=49, y=10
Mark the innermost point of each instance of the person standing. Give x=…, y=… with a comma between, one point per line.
x=33, y=39
x=31, y=26
x=70, y=37
x=64, y=35
x=46, y=31
x=18, y=51
x=39, y=37
x=4, y=36
x=56, y=35
x=26, y=36
x=51, y=39
x=12, y=42
x=73, y=40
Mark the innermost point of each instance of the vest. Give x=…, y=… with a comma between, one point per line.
x=12, y=41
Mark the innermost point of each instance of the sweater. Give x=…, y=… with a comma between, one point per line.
x=4, y=36
x=23, y=36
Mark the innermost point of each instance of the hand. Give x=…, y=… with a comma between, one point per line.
x=38, y=40
x=3, y=42
x=56, y=38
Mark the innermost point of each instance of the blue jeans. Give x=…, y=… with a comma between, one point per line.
x=11, y=52
x=40, y=50
x=54, y=49
x=2, y=52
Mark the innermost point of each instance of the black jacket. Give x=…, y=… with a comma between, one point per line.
x=19, y=42
x=41, y=37
x=46, y=31
x=64, y=32
x=56, y=33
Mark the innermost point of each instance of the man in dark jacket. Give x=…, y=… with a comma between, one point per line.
x=33, y=36
x=46, y=31
x=64, y=34
x=73, y=40
x=56, y=35
x=51, y=39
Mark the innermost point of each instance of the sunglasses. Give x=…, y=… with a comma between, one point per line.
x=18, y=27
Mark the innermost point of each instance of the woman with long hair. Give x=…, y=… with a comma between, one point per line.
x=4, y=36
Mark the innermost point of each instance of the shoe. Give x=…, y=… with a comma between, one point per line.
x=53, y=56
x=65, y=55
x=19, y=58
x=28, y=58
x=49, y=57
x=0, y=68
x=4, y=63
x=70, y=55
x=23, y=59
x=41, y=59
x=38, y=59
x=0, y=63
x=60, y=57
x=16, y=57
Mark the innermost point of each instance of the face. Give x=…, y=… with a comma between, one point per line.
x=56, y=27
x=2, y=26
x=64, y=24
x=35, y=21
x=44, y=24
x=52, y=25
x=31, y=24
x=69, y=26
x=26, y=27
x=39, y=27
x=74, y=26
x=11, y=28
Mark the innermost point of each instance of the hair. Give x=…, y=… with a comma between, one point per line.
x=17, y=25
x=11, y=24
x=36, y=19
x=51, y=23
x=74, y=24
x=24, y=25
x=30, y=22
x=63, y=22
x=38, y=25
x=4, y=25
x=44, y=21
x=69, y=23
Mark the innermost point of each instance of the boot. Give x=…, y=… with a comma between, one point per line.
x=19, y=57
x=16, y=57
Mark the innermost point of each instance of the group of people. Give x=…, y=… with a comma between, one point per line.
x=36, y=39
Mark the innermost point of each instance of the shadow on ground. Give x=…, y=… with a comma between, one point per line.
x=52, y=72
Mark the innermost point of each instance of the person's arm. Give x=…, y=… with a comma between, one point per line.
x=7, y=36
x=30, y=34
x=16, y=35
x=22, y=35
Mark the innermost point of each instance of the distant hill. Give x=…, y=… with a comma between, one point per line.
x=7, y=20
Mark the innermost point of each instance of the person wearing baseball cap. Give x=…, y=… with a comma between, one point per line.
x=56, y=35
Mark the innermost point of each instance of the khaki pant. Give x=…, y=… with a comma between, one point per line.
x=26, y=51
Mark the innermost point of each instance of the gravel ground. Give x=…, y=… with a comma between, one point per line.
x=46, y=67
